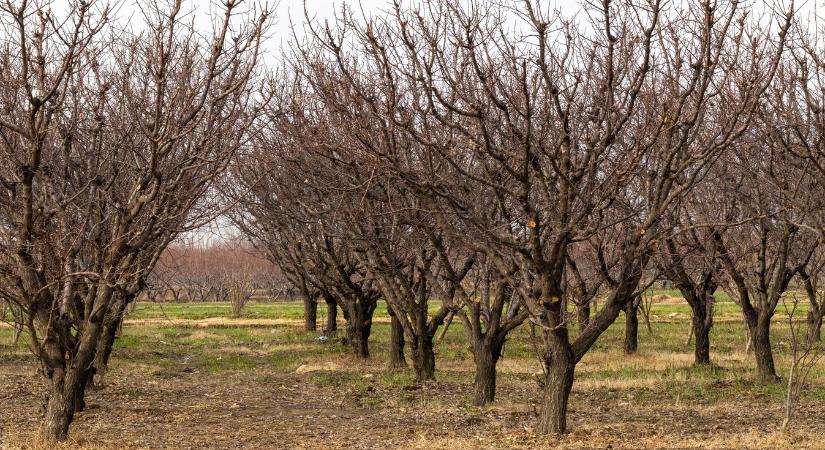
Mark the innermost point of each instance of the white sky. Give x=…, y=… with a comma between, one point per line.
x=289, y=14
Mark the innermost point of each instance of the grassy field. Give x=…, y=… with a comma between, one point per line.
x=192, y=376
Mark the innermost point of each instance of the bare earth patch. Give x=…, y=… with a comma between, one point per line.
x=176, y=407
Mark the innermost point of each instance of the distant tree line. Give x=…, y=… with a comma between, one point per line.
x=219, y=272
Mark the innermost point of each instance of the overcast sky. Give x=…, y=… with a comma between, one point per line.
x=289, y=14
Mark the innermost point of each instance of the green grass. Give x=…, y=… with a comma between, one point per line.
x=220, y=363
x=283, y=348
x=252, y=310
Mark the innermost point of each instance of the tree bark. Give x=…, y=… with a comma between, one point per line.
x=359, y=326
x=816, y=310
x=701, y=352
x=631, y=331
x=423, y=357
x=67, y=383
x=487, y=355
x=358, y=338
x=104, y=351
x=332, y=318
x=557, y=386
x=814, y=320
x=397, y=360
x=766, y=370
x=79, y=394
x=59, y=413
x=310, y=313
x=701, y=305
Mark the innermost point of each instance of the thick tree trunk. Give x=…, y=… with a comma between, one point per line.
x=79, y=394
x=397, y=360
x=814, y=325
x=762, y=350
x=104, y=349
x=359, y=326
x=701, y=352
x=310, y=313
x=59, y=414
x=332, y=318
x=486, y=358
x=358, y=335
x=701, y=305
x=557, y=386
x=631, y=331
x=67, y=383
x=423, y=357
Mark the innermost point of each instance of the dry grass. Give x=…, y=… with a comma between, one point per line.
x=223, y=322
x=342, y=408
x=232, y=383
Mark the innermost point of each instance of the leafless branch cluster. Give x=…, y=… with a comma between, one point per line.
x=506, y=160
x=111, y=143
x=510, y=161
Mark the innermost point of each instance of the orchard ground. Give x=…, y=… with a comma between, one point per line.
x=191, y=376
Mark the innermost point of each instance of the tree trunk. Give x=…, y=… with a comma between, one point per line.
x=701, y=352
x=67, y=383
x=631, y=331
x=762, y=350
x=814, y=326
x=423, y=357
x=332, y=318
x=359, y=325
x=486, y=358
x=701, y=305
x=358, y=338
x=557, y=386
x=310, y=313
x=79, y=394
x=59, y=413
x=397, y=360
x=104, y=351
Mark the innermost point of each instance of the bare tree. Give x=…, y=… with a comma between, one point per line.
x=572, y=134
x=688, y=258
x=287, y=211
x=766, y=248
x=262, y=215
x=111, y=143
x=587, y=276
x=793, y=122
x=239, y=271
x=493, y=310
